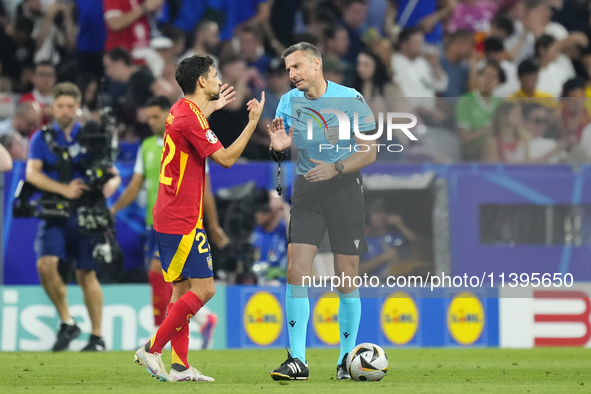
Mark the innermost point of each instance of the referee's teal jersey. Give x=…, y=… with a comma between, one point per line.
x=324, y=144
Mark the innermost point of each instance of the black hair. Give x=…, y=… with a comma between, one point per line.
x=500, y=71
x=120, y=54
x=330, y=32
x=406, y=34
x=159, y=101
x=190, y=69
x=527, y=67
x=504, y=23
x=380, y=75
x=493, y=44
x=573, y=84
x=544, y=42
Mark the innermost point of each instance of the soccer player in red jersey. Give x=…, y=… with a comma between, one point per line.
x=184, y=251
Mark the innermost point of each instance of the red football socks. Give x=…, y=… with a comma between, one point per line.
x=180, y=345
x=161, y=293
x=178, y=317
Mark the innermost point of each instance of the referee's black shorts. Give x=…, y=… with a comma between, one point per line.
x=336, y=205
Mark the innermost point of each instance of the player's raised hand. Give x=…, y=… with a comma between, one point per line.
x=280, y=140
x=227, y=95
x=255, y=108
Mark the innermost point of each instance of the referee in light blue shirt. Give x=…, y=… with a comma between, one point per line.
x=328, y=195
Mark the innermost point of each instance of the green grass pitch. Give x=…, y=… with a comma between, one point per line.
x=553, y=371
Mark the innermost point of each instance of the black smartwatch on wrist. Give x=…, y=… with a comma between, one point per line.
x=339, y=167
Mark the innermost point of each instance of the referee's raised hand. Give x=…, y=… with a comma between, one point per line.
x=280, y=140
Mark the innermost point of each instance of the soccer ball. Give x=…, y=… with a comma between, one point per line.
x=367, y=362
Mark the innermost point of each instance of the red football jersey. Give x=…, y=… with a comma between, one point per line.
x=136, y=35
x=187, y=142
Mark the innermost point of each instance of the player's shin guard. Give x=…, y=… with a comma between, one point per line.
x=180, y=346
x=297, y=308
x=349, y=318
x=161, y=292
x=178, y=317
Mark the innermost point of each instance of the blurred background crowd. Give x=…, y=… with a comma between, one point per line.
x=498, y=81
x=490, y=80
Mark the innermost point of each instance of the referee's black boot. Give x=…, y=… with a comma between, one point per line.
x=95, y=344
x=291, y=369
x=65, y=335
x=342, y=373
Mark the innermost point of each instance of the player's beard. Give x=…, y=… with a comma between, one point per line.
x=215, y=96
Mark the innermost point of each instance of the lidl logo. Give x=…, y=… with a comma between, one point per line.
x=326, y=318
x=465, y=318
x=263, y=318
x=399, y=318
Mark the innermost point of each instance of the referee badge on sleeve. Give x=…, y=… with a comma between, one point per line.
x=211, y=137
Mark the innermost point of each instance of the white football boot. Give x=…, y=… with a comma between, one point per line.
x=153, y=364
x=190, y=374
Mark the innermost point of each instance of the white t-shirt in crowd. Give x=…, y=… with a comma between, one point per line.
x=554, y=75
x=416, y=79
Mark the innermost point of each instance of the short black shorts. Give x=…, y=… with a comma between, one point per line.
x=337, y=205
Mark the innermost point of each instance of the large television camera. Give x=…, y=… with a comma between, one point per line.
x=98, y=147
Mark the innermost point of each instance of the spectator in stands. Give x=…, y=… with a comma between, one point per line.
x=388, y=239
x=17, y=53
x=128, y=25
x=206, y=42
x=269, y=239
x=528, y=72
x=6, y=161
x=234, y=116
x=501, y=27
x=92, y=33
x=475, y=112
x=7, y=99
x=44, y=79
x=417, y=76
x=88, y=85
x=556, y=68
x=494, y=52
x=138, y=81
x=278, y=84
x=334, y=71
x=252, y=50
x=26, y=120
x=353, y=15
x=55, y=36
x=509, y=141
x=454, y=61
x=15, y=145
x=472, y=15
x=542, y=149
x=371, y=77
x=336, y=42
x=335, y=47
x=575, y=116
x=425, y=14
x=239, y=14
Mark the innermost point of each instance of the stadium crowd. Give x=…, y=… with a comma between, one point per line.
x=462, y=66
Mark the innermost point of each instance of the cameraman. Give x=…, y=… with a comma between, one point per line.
x=62, y=238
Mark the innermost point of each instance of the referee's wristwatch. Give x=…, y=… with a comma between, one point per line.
x=339, y=167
